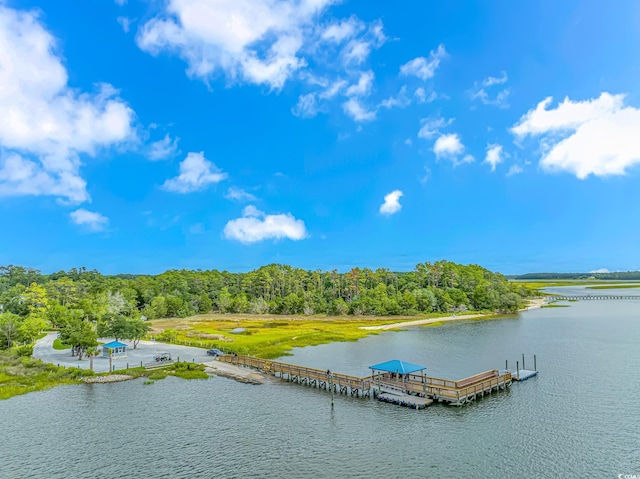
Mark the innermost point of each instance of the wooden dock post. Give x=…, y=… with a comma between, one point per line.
x=331, y=388
x=506, y=364
x=518, y=370
x=535, y=367
x=523, y=362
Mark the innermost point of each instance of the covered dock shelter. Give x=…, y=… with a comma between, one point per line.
x=114, y=349
x=393, y=374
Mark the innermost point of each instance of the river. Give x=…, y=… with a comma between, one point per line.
x=578, y=418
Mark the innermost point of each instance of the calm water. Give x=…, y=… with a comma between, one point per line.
x=579, y=418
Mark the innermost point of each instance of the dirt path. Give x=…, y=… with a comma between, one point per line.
x=533, y=304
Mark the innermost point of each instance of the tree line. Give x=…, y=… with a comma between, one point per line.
x=615, y=276
x=79, y=301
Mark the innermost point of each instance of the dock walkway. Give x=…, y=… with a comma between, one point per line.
x=419, y=386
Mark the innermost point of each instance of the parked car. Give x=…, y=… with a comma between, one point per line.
x=214, y=352
x=162, y=357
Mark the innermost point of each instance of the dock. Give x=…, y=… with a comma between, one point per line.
x=414, y=402
x=410, y=388
x=523, y=374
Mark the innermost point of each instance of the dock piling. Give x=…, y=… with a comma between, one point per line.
x=506, y=364
x=518, y=370
x=535, y=368
x=523, y=362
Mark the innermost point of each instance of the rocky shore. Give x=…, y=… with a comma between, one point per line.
x=236, y=373
x=112, y=378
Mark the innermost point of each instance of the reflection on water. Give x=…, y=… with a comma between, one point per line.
x=577, y=419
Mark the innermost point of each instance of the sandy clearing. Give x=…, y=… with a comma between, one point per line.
x=533, y=304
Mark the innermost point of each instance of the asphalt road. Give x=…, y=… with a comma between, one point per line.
x=145, y=352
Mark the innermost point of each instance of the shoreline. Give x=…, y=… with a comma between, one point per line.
x=533, y=304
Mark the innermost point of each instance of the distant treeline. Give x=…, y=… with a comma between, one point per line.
x=441, y=286
x=619, y=275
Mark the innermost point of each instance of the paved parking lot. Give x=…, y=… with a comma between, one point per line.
x=145, y=352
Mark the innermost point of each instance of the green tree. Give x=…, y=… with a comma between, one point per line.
x=205, y=305
x=35, y=298
x=9, y=324
x=31, y=327
x=80, y=335
x=137, y=329
x=224, y=300
x=56, y=314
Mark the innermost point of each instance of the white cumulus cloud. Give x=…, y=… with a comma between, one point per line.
x=357, y=111
x=424, y=68
x=495, y=156
x=255, y=41
x=499, y=99
x=307, y=106
x=125, y=23
x=363, y=87
x=391, y=203
x=598, y=136
x=432, y=125
x=163, y=149
x=340, y=31
x=450, y=146
x=196, y=173
x=399, y=101
x=45, y=126
x=255, y=226
x=92, y=220
x=238, y=194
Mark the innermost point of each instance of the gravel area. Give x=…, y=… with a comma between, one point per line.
x=144, y=353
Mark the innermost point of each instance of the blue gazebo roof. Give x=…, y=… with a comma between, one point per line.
x=397, y=366
x=113, y=345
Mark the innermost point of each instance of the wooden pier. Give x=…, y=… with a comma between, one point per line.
x=419, y=386
x=587, y=297
x=341, y=383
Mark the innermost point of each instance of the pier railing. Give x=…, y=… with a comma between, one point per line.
x=302, y=374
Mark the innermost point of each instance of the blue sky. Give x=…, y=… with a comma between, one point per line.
x=145, y=135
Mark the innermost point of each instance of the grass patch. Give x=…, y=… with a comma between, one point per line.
x=59, y=345
x=268, y=336
x=146, y=383
x=157, y=375
x=182, y=370
x=555, y=306
x=611, y=286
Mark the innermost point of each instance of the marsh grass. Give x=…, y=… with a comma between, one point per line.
x=553, y=305
x=268, y=337
x=619, y=286
x=181, y=370
x=21, y=375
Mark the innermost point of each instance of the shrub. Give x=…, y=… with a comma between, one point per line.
x=24, y=351
x=157, y=375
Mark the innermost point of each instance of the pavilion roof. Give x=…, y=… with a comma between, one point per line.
x=397, y=366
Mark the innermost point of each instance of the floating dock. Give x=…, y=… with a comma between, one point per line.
x=414, y=402
x=523, y=374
